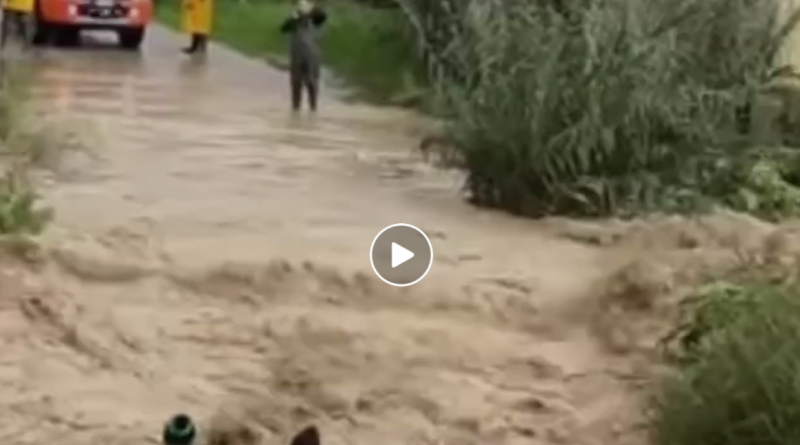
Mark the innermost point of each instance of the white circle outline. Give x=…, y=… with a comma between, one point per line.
x=372, y=247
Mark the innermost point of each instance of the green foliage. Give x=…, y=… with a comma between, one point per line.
x=740, y=383
x=372, y=49
x=767, y=192
x=19, y=210
x=607, y=108
x=711, y=309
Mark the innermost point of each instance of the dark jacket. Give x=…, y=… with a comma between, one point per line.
x=303, y=48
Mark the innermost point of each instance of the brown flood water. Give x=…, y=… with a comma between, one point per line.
x=212, y=255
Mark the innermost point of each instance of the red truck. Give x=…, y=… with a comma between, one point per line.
x=61, y=21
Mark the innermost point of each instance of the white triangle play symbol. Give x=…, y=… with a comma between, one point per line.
x=400, y=255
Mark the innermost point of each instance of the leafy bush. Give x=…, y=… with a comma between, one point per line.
x=19, y=212
x=611, y=107
x=767, y=190
x=741, y=384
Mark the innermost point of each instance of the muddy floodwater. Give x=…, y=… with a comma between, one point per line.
x=211, y=254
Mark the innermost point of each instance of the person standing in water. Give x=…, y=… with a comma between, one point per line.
x=16, y=13
x=304, y=56
x=197, y=17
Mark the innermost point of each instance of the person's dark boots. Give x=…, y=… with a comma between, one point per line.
x=192, y=48
x=202, y=44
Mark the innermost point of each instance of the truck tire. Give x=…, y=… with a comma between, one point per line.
x=131, y=38
x=42, y=33
x=67, y=36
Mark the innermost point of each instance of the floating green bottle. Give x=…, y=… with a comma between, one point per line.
x=179, y=430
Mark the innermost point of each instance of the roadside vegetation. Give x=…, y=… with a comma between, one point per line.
x=21, y=147
x=737, y=381
x=611, y=108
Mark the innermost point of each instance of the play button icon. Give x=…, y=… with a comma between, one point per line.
x=401, y=255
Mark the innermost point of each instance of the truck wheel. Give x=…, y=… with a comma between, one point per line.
x=42, y=33
x=131, y=38
x=67, y=36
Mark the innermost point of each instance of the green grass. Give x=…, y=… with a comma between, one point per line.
x=741, y=382
x=367, y=48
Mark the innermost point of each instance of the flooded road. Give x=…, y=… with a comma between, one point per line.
x=212, y=254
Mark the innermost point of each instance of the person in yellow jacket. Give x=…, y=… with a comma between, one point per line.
x=197, y=15
x=16, y=13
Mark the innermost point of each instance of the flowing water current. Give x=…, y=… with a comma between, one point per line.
x=211, y=254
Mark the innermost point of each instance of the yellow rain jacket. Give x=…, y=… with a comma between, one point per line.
x=196, y=16
x=18, y=5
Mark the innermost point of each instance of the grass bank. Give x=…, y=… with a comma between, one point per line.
x=366, y=47
x=738, y=380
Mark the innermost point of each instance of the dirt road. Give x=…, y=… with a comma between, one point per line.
x=212, y=255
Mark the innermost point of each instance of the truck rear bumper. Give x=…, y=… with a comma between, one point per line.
x=98, y=24
x=96, y=15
